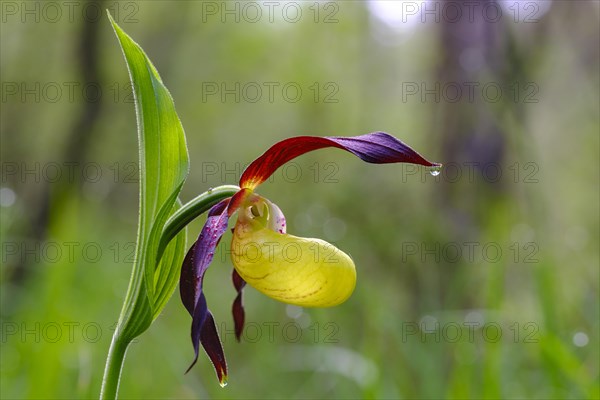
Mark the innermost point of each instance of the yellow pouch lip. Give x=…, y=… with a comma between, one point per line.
x=307, y=272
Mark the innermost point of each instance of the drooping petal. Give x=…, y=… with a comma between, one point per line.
x=187, y=281
x=237, y=308
x=377, y=147
x=200, y=313
x=201, y=254
x=192, y=275
x=212, y=345
x=291, y=269
x=204, y=331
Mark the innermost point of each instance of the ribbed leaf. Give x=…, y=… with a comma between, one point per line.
x=164, y=166
x=165, y=280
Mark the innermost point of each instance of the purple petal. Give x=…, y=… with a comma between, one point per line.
x=381, y=148
x=194, y=266
x=201, y=254
x=198, y=321
x=187, y=281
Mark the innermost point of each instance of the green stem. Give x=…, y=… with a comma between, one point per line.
x=114, y=364
x=122, y=337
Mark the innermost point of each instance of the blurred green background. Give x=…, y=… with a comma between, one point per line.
x=481, y=282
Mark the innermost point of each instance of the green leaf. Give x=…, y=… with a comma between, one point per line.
x=170, y=260
x=164, y=166
x=161, y=240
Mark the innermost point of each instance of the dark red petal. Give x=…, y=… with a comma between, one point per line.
x=377, y=147
x=212, y=345
x=204, y=331
x=237, y=309
x=237, y=200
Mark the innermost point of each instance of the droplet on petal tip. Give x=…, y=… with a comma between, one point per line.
x=223, y=381
x=435, y=170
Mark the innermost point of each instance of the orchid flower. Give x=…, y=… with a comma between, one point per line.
x=301, y=271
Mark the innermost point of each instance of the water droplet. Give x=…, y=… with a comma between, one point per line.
x=223, y=381
x=435, y=170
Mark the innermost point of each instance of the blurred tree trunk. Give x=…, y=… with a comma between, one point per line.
x=76, y=149
x=473, y=55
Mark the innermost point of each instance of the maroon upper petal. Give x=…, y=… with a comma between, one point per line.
x=377, y=147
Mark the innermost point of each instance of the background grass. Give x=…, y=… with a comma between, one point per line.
x=470, y=285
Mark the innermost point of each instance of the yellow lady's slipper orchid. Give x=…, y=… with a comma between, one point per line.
x=301, y=271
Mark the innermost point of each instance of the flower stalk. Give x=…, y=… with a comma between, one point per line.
x=114, y=365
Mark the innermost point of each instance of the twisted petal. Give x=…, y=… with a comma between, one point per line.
x=192, y=275
x=291, y=269
x=377, y=147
